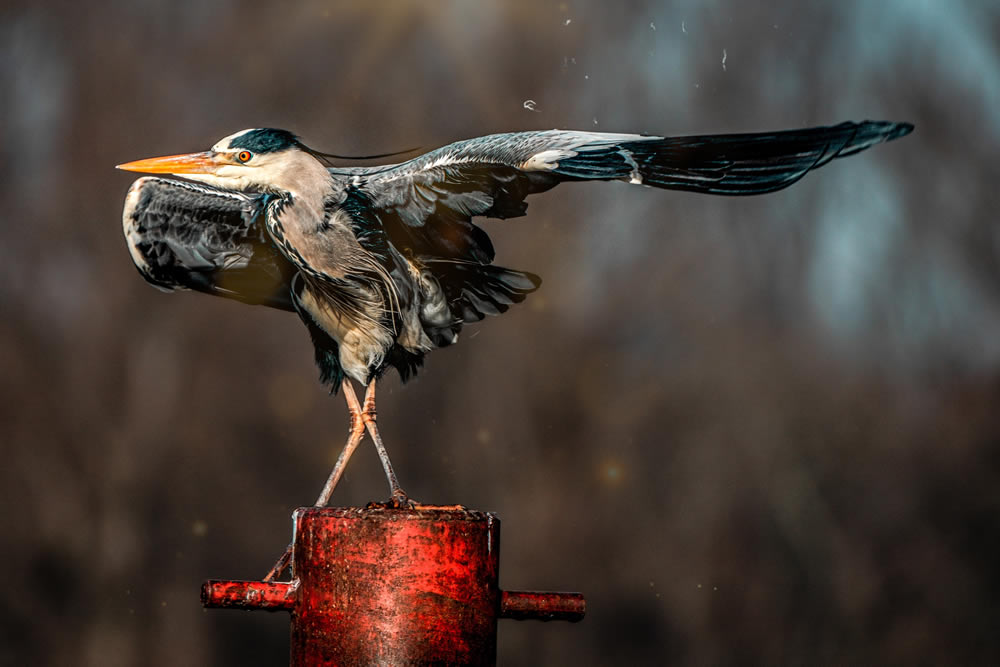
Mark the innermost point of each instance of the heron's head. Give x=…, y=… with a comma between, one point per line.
x=259, y=160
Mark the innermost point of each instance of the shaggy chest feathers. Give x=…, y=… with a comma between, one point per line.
x=358, y=290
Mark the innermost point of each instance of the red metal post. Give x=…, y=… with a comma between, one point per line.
x=537, y=606
x=394, y=586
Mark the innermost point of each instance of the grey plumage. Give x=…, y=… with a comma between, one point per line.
x=390, y=261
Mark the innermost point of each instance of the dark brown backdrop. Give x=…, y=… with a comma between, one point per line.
x=753, y=431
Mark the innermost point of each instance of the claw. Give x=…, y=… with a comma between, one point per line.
x=400, y=500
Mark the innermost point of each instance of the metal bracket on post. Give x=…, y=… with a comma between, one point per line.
x=394, y=586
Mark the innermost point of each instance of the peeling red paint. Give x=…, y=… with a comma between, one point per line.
x=532, y=605
x=394, y=586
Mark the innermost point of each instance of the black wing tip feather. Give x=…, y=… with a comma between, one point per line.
x=900, y=130
x=888, y=129
x=746, y=164
x=871, y=132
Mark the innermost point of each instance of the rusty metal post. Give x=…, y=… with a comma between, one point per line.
x=394, y=586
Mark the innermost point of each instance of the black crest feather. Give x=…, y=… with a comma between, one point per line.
x=264, y=140
x=272, y=140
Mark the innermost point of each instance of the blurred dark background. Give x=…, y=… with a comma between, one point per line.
x=758, y=431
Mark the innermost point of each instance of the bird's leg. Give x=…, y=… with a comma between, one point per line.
x=399, y=497
x=279, y=565
x=357, y=432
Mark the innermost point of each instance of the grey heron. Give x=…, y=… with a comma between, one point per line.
x=384, y=264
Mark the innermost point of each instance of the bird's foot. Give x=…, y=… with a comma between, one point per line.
x=398, y=501
x=404, y=502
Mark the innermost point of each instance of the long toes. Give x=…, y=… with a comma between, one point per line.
x=403, y=502
x=398, y=501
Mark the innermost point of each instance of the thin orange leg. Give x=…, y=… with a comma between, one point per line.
x=368, y=414
x=354, y=439
x=357, y=432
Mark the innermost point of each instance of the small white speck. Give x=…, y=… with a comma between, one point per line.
x=568, y=21
x=530, y=105
x=697, y=85
x=653, y=26
x=586, y=76
x=684, y=27
x=595, y=120
x=724, y=56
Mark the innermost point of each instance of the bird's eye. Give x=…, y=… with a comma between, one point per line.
x=244, y=156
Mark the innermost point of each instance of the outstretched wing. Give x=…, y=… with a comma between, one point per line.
x=427, y=203
x=189, y=236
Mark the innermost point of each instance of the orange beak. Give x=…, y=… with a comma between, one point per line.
x=190, y=163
